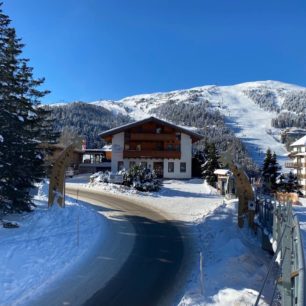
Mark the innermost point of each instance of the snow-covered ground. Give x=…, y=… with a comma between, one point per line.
x=45, y=248
x=234, y=263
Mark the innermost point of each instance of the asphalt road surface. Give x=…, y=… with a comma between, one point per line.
x=159, y=256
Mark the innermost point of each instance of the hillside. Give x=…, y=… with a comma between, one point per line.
x=251, y=113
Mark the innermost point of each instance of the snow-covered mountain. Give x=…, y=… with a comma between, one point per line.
x=247, y=108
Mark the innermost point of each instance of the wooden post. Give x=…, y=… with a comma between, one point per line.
x=201, y=273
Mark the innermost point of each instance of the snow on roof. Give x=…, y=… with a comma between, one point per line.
x=299, y=142
x=222, y=171
x=107, y=148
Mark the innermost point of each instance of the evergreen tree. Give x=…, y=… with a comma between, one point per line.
x=292, y=184
x=23, y=124
x=270, y=171
x=211, y=164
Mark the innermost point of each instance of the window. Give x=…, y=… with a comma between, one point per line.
x=183, y=167
x=170, y=167
x=138, y=147
x=120, y=165
x=143, y=165
x=170, y=147
x=132, y=164
x=159, y=146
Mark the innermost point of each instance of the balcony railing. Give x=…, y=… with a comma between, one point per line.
x=151, y=154
x=295, y=165
x=152, y=137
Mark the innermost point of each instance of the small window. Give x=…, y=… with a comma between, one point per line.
x=143, y=165
x=183, y=167
x=170, y=167
x=132, y=164
x=138, y=147
x=159, y=146
x=170, y=147
x=120, y=165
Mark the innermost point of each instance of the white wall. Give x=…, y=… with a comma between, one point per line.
x=137, y=161
x=117, y=150
x=186, y=156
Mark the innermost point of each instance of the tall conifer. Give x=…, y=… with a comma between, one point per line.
x=23, y=125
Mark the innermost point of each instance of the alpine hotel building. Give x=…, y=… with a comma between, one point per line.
x=155, y=144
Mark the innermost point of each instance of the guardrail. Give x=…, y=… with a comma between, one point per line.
x=282, y=227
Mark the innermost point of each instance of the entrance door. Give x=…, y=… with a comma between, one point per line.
x=158, y=167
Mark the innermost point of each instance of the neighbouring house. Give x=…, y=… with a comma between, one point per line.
x=290, y=135
x=225, y=182
x=56, y=149
x=94, y=160
x=298, y=163
x=155, y=144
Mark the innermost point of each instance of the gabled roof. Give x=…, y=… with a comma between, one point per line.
x=122, y=128
x=299, y=142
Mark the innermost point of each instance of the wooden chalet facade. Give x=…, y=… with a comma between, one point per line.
x=155, y=144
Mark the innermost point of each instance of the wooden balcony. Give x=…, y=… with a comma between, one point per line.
x=295, y=165
x=152, y=154
x=152, y=137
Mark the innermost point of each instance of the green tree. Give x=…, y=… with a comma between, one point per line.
x=23, y=124
x=211, y=164
x=270, y=171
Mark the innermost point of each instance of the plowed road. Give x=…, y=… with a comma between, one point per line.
x=143, y=262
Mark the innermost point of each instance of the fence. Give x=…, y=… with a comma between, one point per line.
x=281, y=227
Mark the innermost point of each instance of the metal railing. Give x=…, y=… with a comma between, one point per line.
x=277, y=220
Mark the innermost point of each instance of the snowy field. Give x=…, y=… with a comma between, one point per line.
x=45, y=248
x=234, y=263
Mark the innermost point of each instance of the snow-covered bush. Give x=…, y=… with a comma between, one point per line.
x=141, y=179
x=100, y=176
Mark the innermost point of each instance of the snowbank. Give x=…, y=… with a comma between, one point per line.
x=234, y=265
x=45, y=247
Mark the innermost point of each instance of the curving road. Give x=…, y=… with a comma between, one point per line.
x=157, y=260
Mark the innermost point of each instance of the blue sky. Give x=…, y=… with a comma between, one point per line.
x=98, y=49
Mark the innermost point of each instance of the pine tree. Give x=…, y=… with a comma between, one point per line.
x=211, y=164
x=23, y=124
x=292, y=184
x=270, y=171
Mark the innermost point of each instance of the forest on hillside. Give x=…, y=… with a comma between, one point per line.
x=86, y=120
